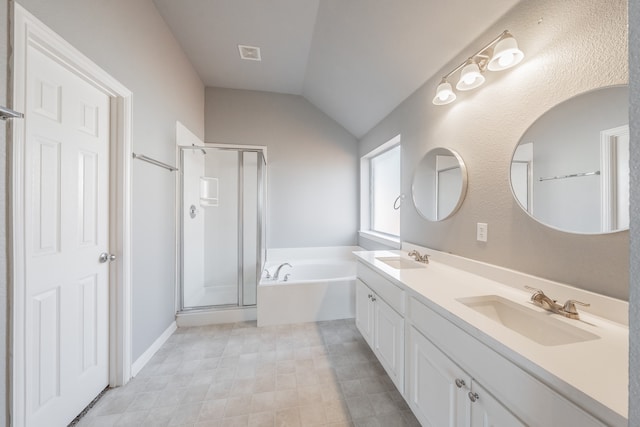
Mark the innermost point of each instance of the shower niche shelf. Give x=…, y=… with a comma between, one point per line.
x=208, y=191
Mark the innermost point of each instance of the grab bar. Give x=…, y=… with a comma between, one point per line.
x=153, y=161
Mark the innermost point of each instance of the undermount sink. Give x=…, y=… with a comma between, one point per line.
x=538, y=326
x=400, y=263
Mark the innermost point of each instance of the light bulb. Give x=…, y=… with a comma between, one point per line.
x=505, y=54
x=505, y=59
x=444, y=93
x=470, y=77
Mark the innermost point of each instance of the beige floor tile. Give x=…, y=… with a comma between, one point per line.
x=240, y=421
x=288, y=418
x=312, y=415
x=336, y=411
x=263, y=402
x=212, y=410
x=240, y=375
x=286, y=398
x=262, y=419
x=185, y=414
x=239, y=405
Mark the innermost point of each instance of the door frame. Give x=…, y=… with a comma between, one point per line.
x=29, y=32
x=608, y=179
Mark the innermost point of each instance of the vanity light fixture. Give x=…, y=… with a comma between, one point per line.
x=501, y=53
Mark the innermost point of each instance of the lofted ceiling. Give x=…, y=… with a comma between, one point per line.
x=355, y=60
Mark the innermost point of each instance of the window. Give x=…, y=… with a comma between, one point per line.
x=380, y=193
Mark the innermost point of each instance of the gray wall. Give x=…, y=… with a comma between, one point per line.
x=130, y=40
x=579, y=45
x=634, y=289
x=312, y=164
x=4, y=19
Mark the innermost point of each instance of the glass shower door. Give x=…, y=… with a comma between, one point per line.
x=222, y=231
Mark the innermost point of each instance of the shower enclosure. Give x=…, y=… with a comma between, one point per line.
x=222, y=225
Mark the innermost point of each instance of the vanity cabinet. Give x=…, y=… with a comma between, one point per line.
x=440, y=393
x=383, y=329
x=379, y=306
x=505, y=395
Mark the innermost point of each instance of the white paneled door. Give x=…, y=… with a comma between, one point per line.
x=66, y=232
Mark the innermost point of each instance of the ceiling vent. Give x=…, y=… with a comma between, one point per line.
x=250, y=53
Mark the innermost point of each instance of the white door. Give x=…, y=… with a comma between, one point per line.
x=389, y=341
x=437, y=387
x=66, y=230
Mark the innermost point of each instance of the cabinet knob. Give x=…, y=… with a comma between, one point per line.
x=373, y=298
x=460, y=383
x=473, y=396
x=370, y=296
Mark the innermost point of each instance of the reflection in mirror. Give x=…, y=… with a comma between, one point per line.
x=439, y=184
x=570, y=170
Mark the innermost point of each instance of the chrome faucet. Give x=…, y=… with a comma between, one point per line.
x=277, y=273
x=567, y=310
x=420, y=258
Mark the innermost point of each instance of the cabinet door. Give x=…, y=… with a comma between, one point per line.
x=487, y=411
x=364, y=311
x=433, y=395
x=389, y=341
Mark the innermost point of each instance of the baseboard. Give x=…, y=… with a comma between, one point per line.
x=141, y=361
x=214, y=317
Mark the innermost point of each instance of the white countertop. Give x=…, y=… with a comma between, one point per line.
x=593, y=374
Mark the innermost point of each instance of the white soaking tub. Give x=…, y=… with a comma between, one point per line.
x=320, y=286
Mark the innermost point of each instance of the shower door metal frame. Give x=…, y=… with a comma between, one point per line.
x=260, y=226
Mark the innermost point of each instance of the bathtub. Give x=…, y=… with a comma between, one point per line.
x=320, y=286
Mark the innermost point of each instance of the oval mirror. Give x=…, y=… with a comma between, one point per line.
x=570, y=170
x=439, y=184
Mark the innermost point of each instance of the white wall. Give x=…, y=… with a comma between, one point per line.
x=634, y=291
x=579, y=45
x=312, y=164
x=130, y=40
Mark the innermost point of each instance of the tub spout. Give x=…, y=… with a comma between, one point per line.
x=277, y=273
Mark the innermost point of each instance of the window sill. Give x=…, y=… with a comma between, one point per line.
x=385, y=239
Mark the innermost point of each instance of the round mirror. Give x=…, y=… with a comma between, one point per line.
x=570, y=170
x=439, y=184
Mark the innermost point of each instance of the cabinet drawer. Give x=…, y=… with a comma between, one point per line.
x=392, y=294
x=530, y=400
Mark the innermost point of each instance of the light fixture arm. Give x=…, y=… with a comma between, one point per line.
x=499, y=54
x=482, y=53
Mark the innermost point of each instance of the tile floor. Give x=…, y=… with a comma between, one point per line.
x=240, y=375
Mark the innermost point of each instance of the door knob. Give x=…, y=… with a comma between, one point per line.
x=104, y=257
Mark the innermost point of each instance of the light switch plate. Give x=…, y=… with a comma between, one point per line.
x=481, y=233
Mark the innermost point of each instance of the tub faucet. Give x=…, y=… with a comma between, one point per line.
x=277, y=273
x=420, y=258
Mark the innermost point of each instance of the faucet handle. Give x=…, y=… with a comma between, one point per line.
x=570, y=306
x=536, y=290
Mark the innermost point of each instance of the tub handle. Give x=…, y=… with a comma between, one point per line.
x=286, y=277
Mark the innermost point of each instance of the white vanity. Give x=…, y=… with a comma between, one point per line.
x=465, y=346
